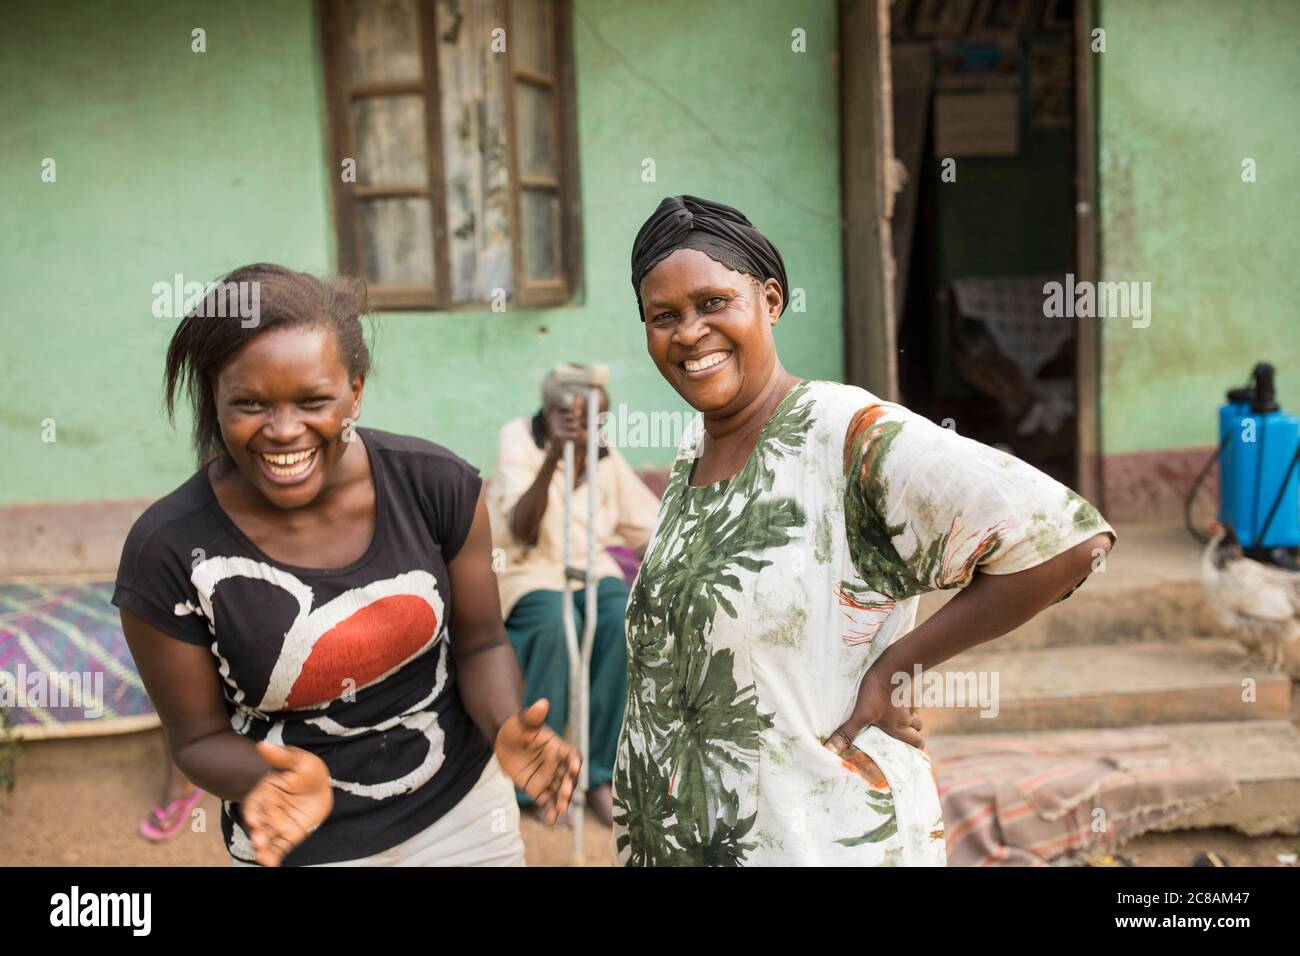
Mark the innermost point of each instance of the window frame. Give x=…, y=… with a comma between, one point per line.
x=340, y=94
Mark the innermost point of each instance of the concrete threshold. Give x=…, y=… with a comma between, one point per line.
x=1120, y=685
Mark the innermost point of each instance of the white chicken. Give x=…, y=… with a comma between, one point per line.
x=1255, y=603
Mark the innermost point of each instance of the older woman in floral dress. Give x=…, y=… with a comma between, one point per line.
x=778, y=598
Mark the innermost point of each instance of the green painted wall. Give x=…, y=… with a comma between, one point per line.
x=170, y=161
x=1189, y=88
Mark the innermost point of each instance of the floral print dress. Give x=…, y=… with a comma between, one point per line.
x=763, y=600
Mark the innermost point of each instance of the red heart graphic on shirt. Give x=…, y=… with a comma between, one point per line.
x=375, y=640
x=349, y=642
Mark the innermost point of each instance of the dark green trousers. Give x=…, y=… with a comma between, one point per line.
x=536, y=631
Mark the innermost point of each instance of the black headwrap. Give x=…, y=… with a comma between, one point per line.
x=719, y=231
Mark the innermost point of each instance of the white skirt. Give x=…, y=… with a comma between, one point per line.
x=481, y=830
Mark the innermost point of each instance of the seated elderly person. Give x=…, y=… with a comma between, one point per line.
x=527, y=497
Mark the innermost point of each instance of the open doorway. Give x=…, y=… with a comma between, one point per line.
x=985, y=125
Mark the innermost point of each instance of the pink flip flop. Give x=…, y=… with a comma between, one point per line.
x=183, y=804
x=172, y=818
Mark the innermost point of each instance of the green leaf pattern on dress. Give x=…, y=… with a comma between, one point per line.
x=692, y=722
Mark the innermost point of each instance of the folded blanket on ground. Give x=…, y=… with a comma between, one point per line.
x=1031, y=799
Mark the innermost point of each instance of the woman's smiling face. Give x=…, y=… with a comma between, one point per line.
x=285, y=406
x=709, y=330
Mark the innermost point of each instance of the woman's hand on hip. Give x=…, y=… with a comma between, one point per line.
x=291, y=800
x=876, y=706
x=539, y=761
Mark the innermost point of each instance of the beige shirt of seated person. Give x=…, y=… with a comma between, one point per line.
x=625, y=515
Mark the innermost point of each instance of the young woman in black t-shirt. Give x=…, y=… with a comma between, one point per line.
x=314, y=612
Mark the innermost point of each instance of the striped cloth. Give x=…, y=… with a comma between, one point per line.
x=63, y=633
x=1033, y=799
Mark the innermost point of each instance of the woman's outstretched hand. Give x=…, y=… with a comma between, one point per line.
x=291, y=800
x=875, y=706
x=539, y=761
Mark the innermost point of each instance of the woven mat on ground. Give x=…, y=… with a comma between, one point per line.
x=65, y=669
x=1025, y=801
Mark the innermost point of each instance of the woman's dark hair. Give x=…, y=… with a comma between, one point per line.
x=215, y=328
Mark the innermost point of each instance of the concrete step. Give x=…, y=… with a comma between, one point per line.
x=1149, y=589
x=1170, y=611
x=1261, y=756
x=1120, y=685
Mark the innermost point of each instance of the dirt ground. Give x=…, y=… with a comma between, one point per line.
x=77, y=802
x=1180, y=848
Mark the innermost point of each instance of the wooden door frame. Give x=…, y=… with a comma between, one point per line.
x=1087, y=265
x=867, y=189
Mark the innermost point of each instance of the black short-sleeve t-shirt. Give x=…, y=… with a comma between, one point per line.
x=352, y=664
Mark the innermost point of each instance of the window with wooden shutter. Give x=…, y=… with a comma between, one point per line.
x=452, y=134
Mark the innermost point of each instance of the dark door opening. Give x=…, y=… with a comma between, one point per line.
x=984, y=122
